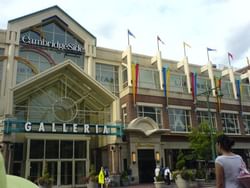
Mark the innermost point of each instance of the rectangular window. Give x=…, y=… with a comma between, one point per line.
x=52, y=149
x=179, y=120
x=230, y=123
x=203, y=84
x=66, y=149
x=148, y=78
x=152, y=112
x=107, y=75
x=246, y=123
x=202, y=116
x=80, y=149
x=227, y=89
x=36, y=149
x=178, y=83
x=245, y=92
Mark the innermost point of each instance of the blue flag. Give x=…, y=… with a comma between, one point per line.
x=131, y=34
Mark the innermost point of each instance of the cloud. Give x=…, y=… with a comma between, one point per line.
x=238, y=42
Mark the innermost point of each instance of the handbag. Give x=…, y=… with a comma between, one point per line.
x=244, y=176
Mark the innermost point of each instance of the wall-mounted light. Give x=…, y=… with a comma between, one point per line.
x=157, y=157
x=133, y=156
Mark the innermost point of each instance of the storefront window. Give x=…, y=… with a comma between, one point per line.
x=36, y=149
x=246, y=123
x=80, y=149
x=80, y=171
x=66, y=149
x=179, y=120
x=66, y=173
x=52, y=147
x=230, y=123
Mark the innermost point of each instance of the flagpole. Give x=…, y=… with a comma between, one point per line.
x=158, y=44
x=229, y=60
x=184, y=49
x=208, y=56
x=128, y=40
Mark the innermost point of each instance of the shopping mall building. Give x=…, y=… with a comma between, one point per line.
x=68, y=103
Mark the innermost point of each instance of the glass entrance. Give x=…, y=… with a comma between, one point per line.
x=65, y=161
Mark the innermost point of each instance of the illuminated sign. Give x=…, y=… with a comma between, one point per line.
x=69, y=47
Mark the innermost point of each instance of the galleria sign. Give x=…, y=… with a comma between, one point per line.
x=67, y=128
x=75, y=48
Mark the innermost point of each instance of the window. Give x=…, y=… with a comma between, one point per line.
x=152, y=112
x=203, y=84
x=179, y=120
x=202, y=116
x=108, y=76
x=246, y=123
x=245, y=94
x=124, y=116
x=178, y=83
x=227, y=89
x=148, y=78
x=230, y=123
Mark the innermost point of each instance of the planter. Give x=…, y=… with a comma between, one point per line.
x=159, y=184
x=124, y=182
x=92, y=184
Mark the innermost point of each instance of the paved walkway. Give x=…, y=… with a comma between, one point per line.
x=147, y=186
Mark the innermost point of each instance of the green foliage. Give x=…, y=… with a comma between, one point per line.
x=180, y=161
x=45, y=180
x=93, y=176
x=200, y=142
x=124, y=175
x=159, y=178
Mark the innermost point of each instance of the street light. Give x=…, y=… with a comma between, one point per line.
x=207, y=93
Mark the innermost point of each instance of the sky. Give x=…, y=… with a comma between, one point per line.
x=223, y=25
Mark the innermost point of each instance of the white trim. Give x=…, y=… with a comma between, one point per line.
x=229, y=112
x=148, y=104
x=180, y=107
x=205, y=109
x=245, y=113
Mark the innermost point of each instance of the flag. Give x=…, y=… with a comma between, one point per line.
x=230, y=55
x=186, y=44
x=135, y=75
x=168, y=81
x=130, y=33
x=211, y=49
x=194, y=85
x=164, y=81
x=159, y=39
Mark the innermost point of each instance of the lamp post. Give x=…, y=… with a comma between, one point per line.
x=207, y=94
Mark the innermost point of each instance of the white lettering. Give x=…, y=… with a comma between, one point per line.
x=60, y=46
x=41, y=127
x=75, y=128
x=64, y=128
x=53, y=127
x=96, y=129
x=27, y=126
x=105, y=129
x=86, y=128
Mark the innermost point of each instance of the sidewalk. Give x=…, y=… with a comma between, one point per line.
x=150, y=185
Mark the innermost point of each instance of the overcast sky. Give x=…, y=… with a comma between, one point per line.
x=219, y=24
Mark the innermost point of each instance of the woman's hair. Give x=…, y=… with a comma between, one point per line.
x=225, y=142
